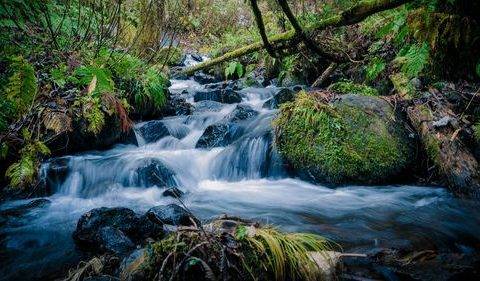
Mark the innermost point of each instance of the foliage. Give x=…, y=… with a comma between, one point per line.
x=234, y=68
x=155, y=86
x=101, y=75
x=413, y=59
x=22, y=87
x=23, y=172
x=374, y=68
x=348, y=87
x=285, y=255
x=246, y=252
x=338, y=142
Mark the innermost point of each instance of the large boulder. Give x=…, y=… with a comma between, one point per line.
x=219, y=134
x=155, y=172
x=153, y=131
x=171, y=214
x=351, y=139
x=282, y=96
x=223, y=96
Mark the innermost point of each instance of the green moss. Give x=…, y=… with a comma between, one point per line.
x=337, y=142
x=476, y=131
x=348, y=87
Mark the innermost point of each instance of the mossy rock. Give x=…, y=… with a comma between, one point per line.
x=352, y=139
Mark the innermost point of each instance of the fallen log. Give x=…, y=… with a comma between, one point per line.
x=350, y=16
x=438, y=128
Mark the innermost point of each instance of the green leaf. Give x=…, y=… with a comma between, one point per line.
x=478, y=69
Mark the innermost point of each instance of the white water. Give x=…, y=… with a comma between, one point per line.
x=244, y=178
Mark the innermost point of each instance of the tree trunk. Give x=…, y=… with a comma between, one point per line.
x=351, y=16
x=438, y=129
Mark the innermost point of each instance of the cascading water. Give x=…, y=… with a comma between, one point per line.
x=244, y=177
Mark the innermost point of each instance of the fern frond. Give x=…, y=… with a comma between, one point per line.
x=22, y=84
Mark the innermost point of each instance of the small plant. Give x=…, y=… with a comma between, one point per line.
x=155, y=87
x=234, y=68
x=374, y=68
x=413, y=59
x=23, y=172
x=348, y=87
x=21, y=88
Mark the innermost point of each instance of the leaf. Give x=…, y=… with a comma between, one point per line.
x=92, y=85
x=478, y=69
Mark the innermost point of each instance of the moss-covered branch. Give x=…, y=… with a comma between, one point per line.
x=350, y=16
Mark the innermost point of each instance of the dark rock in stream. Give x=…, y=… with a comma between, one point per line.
x=18, y=211
x=223, y=96
x=171, y=214
x=90, y=224
x=155, y=172
x=153, y=131
x=177, y=106
x=282, y=96
x=207, y=106
x=241, y=112
x=114, y=230
x=219, y=134
x=113, y=240
x=203, y=78
x=173, y=192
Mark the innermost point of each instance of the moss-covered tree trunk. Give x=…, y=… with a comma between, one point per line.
x=438, y=129
x=353, y=15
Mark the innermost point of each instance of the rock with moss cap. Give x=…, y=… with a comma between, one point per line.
x=345, y=139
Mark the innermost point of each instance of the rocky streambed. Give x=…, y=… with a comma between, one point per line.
x=217, y=154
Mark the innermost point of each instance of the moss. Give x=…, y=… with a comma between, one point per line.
x=337, y=142
x=476, y=131
x=348, y=87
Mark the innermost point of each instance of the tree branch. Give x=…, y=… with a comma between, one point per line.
x=351, y=16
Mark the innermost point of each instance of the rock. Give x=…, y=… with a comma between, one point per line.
x=88, y=231
x=223, y=96
x=173, y=192
x=153, y=131
x=80, y=139
x=354, y=139
x=18, y=211
x=443, y=122
x=207, y=106
x=150, y=229
x=130, y=261
x=112, y=240
x=219, y=134
x=155, y=172
x=241, y=112
x=177, y=106
x=171, y=214
x=229, y=85
x=203, y=78
x=282, y=96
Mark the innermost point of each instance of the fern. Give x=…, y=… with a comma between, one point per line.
x=413, y=59
x=104, y=83
x=155, y=89
x=374, y=68
x=22, y=86
x=23, y=172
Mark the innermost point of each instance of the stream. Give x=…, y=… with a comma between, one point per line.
x=244, y=178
